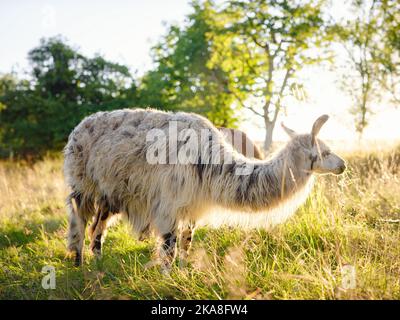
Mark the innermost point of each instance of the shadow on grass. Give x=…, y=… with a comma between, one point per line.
x=18, y=235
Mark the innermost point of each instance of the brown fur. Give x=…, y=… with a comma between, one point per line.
x=244, y=145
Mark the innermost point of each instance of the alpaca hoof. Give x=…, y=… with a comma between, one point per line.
x=166, y=271
x=97, y=252
x=183, y=259
x=166, y=267
x=183, y=263
x=151, y=264
x=95, y=246
x=78, y=259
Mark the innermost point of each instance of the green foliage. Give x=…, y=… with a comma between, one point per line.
x=227, y=56
x=183, y=78
x=370, y=39
x=37, y=115
x=389, y=55
x=261, y=46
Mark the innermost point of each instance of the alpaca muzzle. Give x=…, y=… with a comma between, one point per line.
x=341, y=169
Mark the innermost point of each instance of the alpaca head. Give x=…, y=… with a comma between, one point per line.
x=317, y=156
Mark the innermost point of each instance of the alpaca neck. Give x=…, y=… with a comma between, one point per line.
x=268, y=184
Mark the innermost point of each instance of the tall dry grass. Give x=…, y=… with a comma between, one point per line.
x=348, y=223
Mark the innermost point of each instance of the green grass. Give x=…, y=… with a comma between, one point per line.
x=349, y=220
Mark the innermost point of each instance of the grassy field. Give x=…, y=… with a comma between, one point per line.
x=348, y=223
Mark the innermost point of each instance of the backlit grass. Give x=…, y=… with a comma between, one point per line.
x=349, y=220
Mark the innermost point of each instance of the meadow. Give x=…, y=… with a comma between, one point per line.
x=350, y=222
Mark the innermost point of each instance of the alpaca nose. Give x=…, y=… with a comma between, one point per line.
x=342, y=168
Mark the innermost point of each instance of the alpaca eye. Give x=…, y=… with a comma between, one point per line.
x=326, y=153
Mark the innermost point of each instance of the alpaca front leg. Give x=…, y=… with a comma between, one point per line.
x=77, y=226
x=76, y=237
x=99, y=232
x=185, y=243
x=167, y=251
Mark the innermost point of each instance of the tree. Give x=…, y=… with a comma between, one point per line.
x=389, y=55
x=370, y=37
x=183, y=78
x=359, y=38
x=261, y=45
x=64, y=86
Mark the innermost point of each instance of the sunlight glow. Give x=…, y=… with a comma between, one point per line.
x=125, y=31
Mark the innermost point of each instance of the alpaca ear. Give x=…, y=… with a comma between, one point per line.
x=317, y=126
x=291, y=133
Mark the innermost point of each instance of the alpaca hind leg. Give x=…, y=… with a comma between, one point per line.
x=77, y=225
x=93, y=226
x=100, y=229
x=168, y=250
x=165, y=225
x=145, y=233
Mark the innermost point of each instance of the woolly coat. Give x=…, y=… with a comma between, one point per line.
x=106, y=159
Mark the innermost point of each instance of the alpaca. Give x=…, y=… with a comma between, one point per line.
x=241, y=143
x=130, y=162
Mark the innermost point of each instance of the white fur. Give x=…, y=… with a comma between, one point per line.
x=106, y=162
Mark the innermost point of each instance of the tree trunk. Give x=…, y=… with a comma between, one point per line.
x=269, y=128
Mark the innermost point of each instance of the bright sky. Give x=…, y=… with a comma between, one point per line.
x=124, y=31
